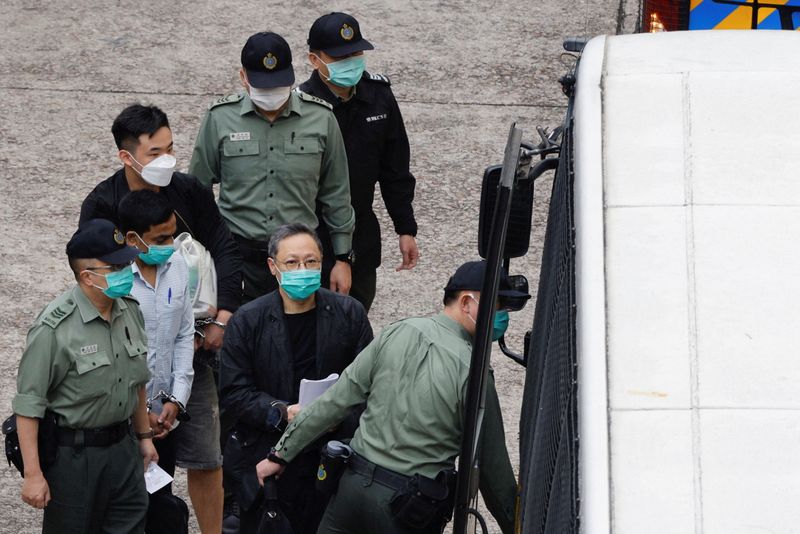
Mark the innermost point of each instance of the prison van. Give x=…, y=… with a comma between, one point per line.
x=663, y=376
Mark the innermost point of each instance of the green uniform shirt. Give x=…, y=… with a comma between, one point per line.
x=413, y=378
x=275, y=173
x=81, y=367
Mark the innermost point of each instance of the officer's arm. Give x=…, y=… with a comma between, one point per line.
x=238, y=391
x=333, y=406
x=41, y=366
x=334, y=190
x=497, y=483
x=213, y=233
x=205, y=156
x=397, y=182
x=28, y=432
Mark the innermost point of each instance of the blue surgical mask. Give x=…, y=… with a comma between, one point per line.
x=500, y=324
x=156, y=254
x=300, y=284
x=346, y=72
x=119, y=282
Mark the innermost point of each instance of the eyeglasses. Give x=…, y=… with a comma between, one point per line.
x=116, y=267
x=293, y=265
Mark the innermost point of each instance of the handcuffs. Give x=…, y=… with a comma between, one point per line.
x=165, y=397
x=200, y=324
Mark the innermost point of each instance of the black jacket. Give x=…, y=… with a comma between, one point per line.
x=256, y=369
x=377, y=151
x=195, y=204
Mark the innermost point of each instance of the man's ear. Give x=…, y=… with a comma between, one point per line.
x=131, y=239
x=125, y=157
x=243, y=79
x=314, y=60
x=272, y=267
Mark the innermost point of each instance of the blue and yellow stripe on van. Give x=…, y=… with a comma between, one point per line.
x=738, y=14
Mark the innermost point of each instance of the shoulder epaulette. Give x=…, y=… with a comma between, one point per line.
x=58, y=313
x=228, y=99
x=131, y=298
x=380, y=78
x=311, y=98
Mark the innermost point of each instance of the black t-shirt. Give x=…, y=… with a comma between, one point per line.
x=302, y=329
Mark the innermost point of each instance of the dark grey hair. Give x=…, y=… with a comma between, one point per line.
x=288, y=230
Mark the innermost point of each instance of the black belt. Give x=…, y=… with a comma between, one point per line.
x=93, y=437
x=388, y=478
x=253, y=251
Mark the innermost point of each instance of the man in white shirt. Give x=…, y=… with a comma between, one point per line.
x=161, y=285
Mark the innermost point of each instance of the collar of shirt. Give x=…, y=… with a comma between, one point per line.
x=453, y=326
x=89, y=311
x=321, y=90
x=292, y=107
x=160, y=269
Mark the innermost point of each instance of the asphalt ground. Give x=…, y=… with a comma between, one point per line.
x=462, y=72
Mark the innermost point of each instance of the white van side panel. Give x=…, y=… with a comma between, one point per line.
x=701, y=193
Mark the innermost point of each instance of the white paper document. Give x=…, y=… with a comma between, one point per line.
x=155, y=478
x=311, y=389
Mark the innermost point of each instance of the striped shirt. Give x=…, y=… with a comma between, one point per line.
x=169, y=323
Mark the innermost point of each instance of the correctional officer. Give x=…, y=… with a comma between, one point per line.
x=276, y=154
x=86, y=361
x=375, y=140
x=413, y=378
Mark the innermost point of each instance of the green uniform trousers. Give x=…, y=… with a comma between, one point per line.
x=97, y=490
x=361, y=506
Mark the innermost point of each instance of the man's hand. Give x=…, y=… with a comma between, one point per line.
x=341, y=278
x=148, y=452
x=410, y=252
x=168, y=415
x=159, y=431
x=265, y=469
x=214, y=333
x=292, y=411
x=35, y=490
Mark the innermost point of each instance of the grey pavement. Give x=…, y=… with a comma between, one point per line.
x=462, y=71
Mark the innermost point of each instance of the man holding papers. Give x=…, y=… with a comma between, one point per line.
x=299, y=331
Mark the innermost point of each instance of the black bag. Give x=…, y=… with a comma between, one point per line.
x=167, y=514
x=48, y=442
x=424, y=503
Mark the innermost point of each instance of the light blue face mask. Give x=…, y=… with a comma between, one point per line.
x=300, y=284
x=119, y=282
x=346, y=72
x=156, y=254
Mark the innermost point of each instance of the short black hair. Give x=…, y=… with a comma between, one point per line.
x=134, y=121
x=450, y=296
x=139, y=210
x=288, y=230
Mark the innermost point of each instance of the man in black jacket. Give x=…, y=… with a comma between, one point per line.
x=298, y=331
x=144, y=139
x=375, y=140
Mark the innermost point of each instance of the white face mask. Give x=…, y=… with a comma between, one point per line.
x=270, y=99
x=159, y=171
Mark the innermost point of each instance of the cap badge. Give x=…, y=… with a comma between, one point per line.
x=119, y=239
x=347, y=32
x=270, y=61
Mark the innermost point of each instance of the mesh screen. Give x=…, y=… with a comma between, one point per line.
x=548, y=425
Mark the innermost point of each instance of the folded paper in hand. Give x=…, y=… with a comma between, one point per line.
x=155, y=478
x=311, y=389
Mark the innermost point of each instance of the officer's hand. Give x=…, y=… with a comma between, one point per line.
x=168, y=415
x=35, y=490
x=148, y=452
x=410, y=252
x=214, y=333
x=158, y=430
x=341, y=278
x=292, y=411
x=265, y=469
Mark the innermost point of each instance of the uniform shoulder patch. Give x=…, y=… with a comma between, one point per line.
x=311, y=98
x=380, y=78
x=131, y=298
x=227, y=99
x=58, y=312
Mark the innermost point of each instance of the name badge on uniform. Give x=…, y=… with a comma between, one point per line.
x=240, y=136
x=89, y=349
x=376, y=117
